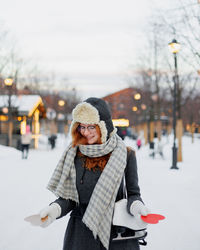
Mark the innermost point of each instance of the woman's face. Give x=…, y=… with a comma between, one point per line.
x=89, y=131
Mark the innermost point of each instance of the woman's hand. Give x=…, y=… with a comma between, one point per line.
x=49, y=214
x=138, y=208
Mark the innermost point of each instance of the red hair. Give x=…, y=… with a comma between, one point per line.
x=79, y=139
x=91, y=163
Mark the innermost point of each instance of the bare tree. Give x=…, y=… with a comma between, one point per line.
x=150, y=74
x=183, y=23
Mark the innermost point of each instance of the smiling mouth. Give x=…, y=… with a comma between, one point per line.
x=90, y=138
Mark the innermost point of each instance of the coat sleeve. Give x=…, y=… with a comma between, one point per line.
x=66, y=206
x=131, y=177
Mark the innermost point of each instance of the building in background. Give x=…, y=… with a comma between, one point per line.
x=144, y=112
x=25, y=110
x=138, y=107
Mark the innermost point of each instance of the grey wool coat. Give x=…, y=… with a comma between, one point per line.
x=77, y=235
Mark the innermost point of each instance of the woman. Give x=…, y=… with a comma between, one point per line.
x=25, y=142
x=88, y=181
x=139, y=143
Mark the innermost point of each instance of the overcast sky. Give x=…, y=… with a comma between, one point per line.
x=91, y=42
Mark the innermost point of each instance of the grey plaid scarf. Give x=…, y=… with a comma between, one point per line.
x=98, y=215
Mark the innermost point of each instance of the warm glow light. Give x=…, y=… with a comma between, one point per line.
x=174, y=46
x=143, y=106
x=23, y=127
x=154, y=97
x=134, y=108
x=61, y=103
x=60, y=116
x=8, y=81
x=3, y=118
x=37, y=128
x=36, y=115
x=188, y=127
x=137, y=96
x=120, y=122
x=5, y=110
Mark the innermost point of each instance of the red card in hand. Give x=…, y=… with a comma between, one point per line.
x=152, y=218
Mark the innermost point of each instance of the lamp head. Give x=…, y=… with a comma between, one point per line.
x=174, y=46
x=61, y=103
x=8, y=81
x=134, y=108
x=137, y=96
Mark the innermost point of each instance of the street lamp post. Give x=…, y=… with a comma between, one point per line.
x=175, y=47
x=9, y=82
x=61, y=116
x=145, y=126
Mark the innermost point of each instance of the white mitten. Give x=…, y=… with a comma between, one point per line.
x=138, y=208
x=53, y=211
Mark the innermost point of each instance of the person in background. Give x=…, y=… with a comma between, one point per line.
x=52, y=141
x=159, y=148
x=25, y=142
x=139, y=143
x=88, y=181
x=121, y=132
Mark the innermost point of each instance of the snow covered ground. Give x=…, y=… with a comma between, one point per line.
x=173, y=193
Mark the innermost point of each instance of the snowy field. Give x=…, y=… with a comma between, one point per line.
x=173, y=193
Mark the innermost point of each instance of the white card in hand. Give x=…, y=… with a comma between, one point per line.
x=35, y=219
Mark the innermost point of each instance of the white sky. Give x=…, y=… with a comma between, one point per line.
x=91, y=42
